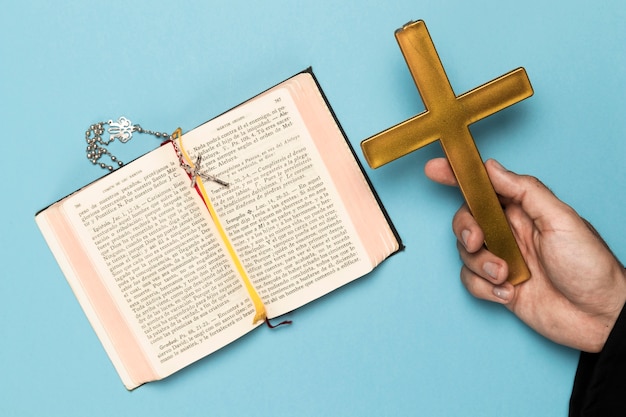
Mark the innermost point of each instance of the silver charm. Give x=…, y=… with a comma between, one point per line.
x=122, y=129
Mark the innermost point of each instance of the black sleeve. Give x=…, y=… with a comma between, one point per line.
x=600, y=382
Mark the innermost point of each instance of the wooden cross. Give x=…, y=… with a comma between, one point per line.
x=447, y=119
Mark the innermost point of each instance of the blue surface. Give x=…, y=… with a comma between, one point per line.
x=407, y=340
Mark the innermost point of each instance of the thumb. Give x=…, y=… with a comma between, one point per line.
x=524, y=190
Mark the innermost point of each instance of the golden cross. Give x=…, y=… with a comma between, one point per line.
x=447, y=119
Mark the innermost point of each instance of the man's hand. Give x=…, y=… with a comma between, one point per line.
x=577, y=287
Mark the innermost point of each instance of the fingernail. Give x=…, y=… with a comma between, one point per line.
x=464, y=236
x=492, y=269
x=502, y=293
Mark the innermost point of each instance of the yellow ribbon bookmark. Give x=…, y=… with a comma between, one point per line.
x=258, y=304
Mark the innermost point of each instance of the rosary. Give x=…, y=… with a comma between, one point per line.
x=123, y=130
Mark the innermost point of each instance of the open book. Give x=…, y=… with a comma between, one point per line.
x=167, y=274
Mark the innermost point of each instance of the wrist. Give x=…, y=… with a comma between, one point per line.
x=615, y=310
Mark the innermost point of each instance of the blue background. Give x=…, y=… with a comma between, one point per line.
x=406, y=340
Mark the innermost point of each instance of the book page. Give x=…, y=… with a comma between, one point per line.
x=282, y=211
x=153, y=244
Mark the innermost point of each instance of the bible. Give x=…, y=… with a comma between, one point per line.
x=168, y=273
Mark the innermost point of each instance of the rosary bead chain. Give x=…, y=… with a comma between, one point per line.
x=96, y=146
x=123, y=130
